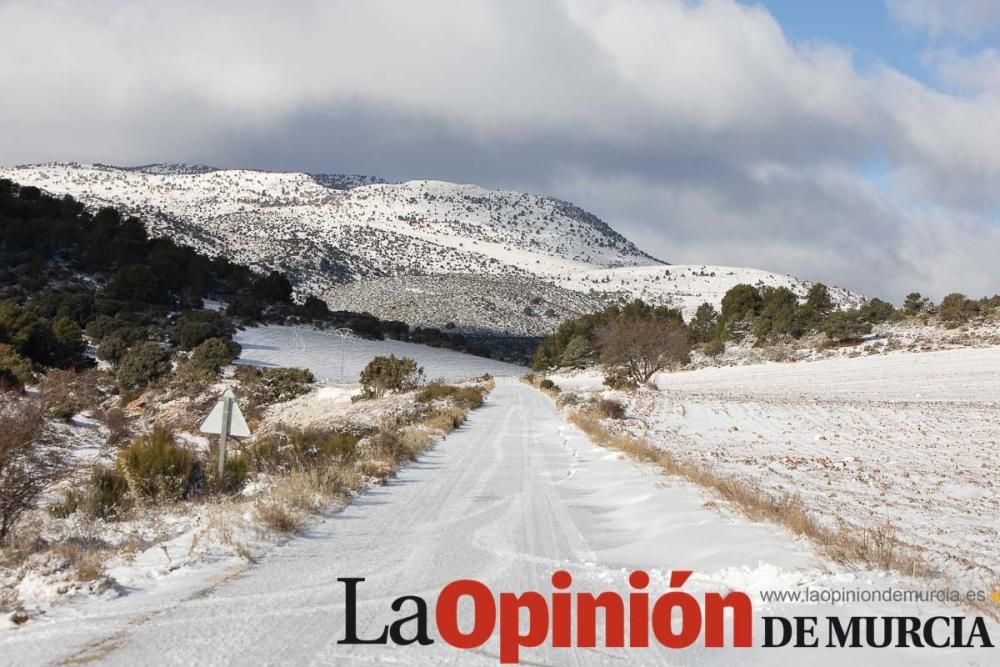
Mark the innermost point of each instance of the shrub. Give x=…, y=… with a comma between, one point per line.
x=117, y=425
x=877, y=311
x=65, y=393
x=116, y=343
x=617, y=378
x=142, y=364
x=326, y=447
x=300, y=449
x=387, y=443
x=915, y=303
x=714, y=347
x=212, y=354
x=234, y=473
x=62, y=412
x=157, y=468
x=435, y=392
x=568, y=399
x=67, y=505
x=9, y=382
x=27, y=467
x=15, y=370
x=378, y=470
x=385, y=374
x=466, y=397
x=957, y=308
x=845, y=326
x=610, y=408
x=36, y=338
x=268, y=454
x=265, y=386
x=194, y=327
x=311, y=490
x=106, y=495
x=578, y=353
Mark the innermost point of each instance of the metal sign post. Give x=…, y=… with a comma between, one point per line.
x=344, y=334
x=226, y=420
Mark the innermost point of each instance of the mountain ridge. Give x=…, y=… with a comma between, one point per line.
x=333, y=233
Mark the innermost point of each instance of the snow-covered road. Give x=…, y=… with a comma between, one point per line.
x=507, y=499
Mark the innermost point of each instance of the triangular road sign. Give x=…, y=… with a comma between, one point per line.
x=237, y=424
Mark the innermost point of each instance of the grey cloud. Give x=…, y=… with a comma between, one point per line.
x=696, y=128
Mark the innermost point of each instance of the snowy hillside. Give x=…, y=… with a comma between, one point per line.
x=687, y=286
x=464, y=303
x=324, y=236
x=530, y=254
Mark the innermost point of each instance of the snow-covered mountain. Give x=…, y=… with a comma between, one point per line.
x=509, y=257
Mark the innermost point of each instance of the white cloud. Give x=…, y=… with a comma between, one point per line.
x=972, y=74
x=967, y=18
x=697, y=127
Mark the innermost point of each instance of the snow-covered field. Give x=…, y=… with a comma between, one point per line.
x=323, y=352
x=908, y=440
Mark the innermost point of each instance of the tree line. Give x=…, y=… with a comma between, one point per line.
x=68, y=275
x=637, y=340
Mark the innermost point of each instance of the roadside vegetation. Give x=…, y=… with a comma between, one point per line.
x=146, y=476
x=635, y=341
x=113, y=348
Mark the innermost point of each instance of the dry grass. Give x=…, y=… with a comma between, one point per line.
x=85, y=556
x=376, y=469
x=416, y=439
x=876, y=546
x=276, y=517
x=445, y=420
x=610, y=408
x=303, y=492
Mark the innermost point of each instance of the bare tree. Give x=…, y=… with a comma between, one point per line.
x=28, y=465
x=642, y=346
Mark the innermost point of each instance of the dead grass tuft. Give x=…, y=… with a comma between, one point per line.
x=86, y=556
x=276, y=517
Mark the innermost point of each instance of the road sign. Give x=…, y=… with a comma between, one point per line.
x=237, y=424
x=225, y=419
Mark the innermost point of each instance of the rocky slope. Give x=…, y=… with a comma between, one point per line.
x=487, y=261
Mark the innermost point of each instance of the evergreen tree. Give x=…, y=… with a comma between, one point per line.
x=703, y=325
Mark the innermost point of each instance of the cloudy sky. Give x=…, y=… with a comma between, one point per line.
x=853, y=142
